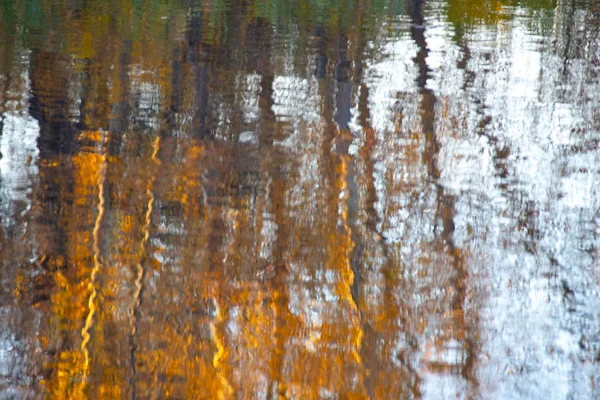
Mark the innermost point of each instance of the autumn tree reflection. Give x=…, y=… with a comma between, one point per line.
x=268, y=199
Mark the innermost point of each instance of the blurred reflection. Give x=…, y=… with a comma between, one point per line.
x=299, y=199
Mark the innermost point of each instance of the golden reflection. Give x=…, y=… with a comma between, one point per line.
x=224, y=390
x=341, y=256
x=142, y=257
x=89, y=321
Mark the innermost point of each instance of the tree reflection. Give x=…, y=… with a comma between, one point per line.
x=243, y=200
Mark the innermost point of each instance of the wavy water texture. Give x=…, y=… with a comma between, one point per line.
x=297, y=199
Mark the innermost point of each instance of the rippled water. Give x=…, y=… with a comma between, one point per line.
x=384, y=199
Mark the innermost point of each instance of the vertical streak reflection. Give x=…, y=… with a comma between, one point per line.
x=348, y=245
x=225, y=390
x=139, y=281
x=85, y=332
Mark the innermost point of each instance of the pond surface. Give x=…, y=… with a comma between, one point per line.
x=262, y=199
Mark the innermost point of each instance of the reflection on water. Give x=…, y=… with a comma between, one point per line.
x=300, y=199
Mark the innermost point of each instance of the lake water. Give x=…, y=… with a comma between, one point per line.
x=304, y=199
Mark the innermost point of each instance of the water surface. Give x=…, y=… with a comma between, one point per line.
x=345, y=199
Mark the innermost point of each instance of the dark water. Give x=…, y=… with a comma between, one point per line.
x=332, y=199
